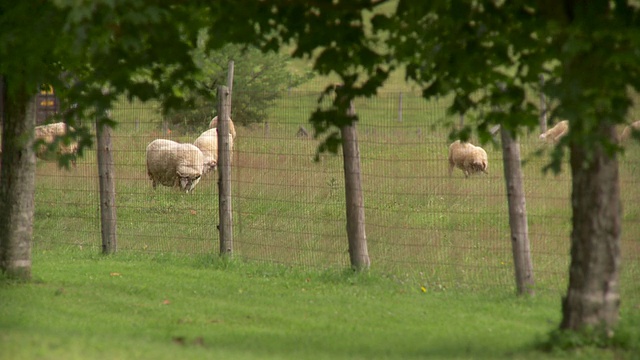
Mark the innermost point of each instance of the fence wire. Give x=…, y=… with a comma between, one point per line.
x=422, y=225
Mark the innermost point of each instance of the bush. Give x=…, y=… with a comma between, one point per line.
x=259, y=80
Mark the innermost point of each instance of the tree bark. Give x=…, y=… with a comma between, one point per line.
x=517, y=214
x=17, y=184
x=593, y=296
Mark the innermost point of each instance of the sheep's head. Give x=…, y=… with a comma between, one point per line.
x=188, y=182
x=209, y=166
x=480, y=166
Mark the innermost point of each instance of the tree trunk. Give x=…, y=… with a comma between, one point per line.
x=17, y=184
x=517, y=214
x=593, y=296
x=106, y=171
x=354, y=199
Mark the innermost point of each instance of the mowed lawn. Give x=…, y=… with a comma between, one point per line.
x=81, y=305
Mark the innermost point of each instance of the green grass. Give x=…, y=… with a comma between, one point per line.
x=164, y=306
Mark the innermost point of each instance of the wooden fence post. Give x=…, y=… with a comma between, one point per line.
x=230, y=71
x=106, y=173
x=517, y=213
x=224, y=172
x=358, y=252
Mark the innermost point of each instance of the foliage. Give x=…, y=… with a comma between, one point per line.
x=91, y=52
x=490, y=54
x=258, y=81
x=335, y=35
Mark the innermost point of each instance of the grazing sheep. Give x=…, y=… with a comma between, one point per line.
x=554, y=134
x=626, y=133
x=467, y=157
x=207, y=142
x=48, y=133
x=173, y=164
x=214, y=124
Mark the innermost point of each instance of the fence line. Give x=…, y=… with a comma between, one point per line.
x=439, y=231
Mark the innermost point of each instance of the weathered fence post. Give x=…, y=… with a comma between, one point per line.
x=230, y=71
x=106, y=173
x=224, y=172
x=354, y=199
x=543, y=107
x=517, y=213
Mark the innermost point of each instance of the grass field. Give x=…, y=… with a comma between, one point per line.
x=445, y=232
x=164, y=306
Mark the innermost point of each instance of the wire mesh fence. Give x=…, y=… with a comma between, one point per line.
x=422, y=225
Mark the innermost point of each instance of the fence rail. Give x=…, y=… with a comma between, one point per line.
x=443, y=232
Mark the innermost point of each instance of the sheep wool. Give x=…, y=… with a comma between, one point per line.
x=207, y=142
x=173, y=164
x=48, y=133
x=467, y=157
x=556, y=133
x=214, y=124
x=626, y=133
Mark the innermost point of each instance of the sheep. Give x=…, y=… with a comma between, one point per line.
x=214, y=124
x=556, y=133
x=48, y=133
x=467, y=157
x=173, y=164
x=626, y=133
x=207, y=142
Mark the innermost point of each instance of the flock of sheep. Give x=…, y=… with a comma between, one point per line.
x=173, y=164
x=473, y=159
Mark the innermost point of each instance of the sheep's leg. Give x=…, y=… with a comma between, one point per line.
x=451, y=166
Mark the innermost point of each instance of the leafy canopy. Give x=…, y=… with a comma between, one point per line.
x=488, y=54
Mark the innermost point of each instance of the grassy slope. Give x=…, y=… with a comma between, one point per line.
x=85, y=306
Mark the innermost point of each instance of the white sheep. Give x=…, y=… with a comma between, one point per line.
x=556, y=133
x=214, y=124
x=48, y=133
x=626, y=133
x=173, y=164
x=207, y=142
x=467, y=157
